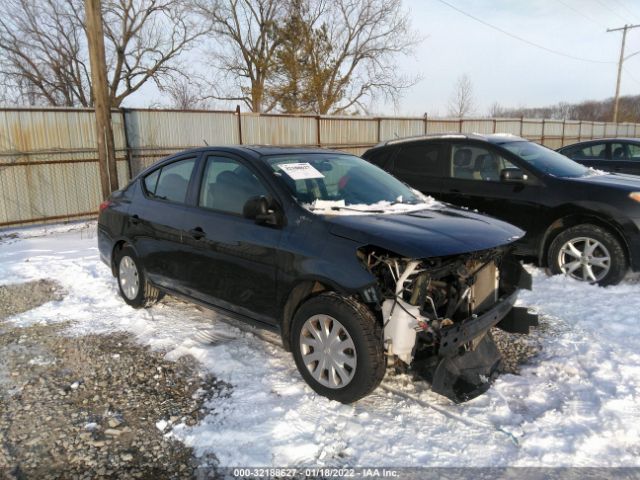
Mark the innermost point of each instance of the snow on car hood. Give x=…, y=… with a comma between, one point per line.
x=339, y=207
x=426, y=233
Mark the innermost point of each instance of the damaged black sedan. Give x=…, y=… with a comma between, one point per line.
x=350, y=265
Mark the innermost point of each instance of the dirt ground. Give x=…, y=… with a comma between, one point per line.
x=88, y=407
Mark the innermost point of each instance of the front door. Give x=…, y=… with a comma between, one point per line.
x=232, y=260
x=474, y=181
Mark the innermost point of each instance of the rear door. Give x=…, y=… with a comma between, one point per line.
x=231, y=260
x=157, y=221
x=592, y=154
x=625, y=158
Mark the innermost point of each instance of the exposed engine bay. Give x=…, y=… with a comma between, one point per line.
x=437, y=312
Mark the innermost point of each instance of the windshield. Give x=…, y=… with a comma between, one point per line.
x=329, y=183
x=546, y=160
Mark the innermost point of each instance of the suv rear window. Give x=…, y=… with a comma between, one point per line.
x=420, y=159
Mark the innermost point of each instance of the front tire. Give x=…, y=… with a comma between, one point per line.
x=337, y=346
x=134, y=288
x=588, y=253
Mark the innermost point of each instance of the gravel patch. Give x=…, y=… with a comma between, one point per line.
x=97, y=406
x=518, y=349
x=20, y=297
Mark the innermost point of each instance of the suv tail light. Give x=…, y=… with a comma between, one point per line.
x=104, y=205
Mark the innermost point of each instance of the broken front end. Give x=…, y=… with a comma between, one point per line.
x=437, y=314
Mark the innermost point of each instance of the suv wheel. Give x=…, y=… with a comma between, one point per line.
x=588, y=253
x=337, y=346
x=134, y=288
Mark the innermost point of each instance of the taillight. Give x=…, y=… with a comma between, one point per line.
x=104, y=205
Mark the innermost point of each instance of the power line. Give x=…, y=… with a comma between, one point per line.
x=631, y=76
x=609, y=9
x=625, y=7
x=582, y=14
x=624, y=31
x=524, y=40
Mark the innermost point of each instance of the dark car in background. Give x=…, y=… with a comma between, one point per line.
x=579, y=221
x=621, y=155
x=349, y=264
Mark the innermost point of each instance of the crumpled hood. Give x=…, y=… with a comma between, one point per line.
x=426, y=233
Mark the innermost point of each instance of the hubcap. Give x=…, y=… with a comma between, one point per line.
x=328, y=351
x=585, y=259
x=128, y=277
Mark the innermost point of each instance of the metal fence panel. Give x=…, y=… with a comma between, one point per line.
x=49, y=163
x=443, y=125
x=339, y=131
x=391, y=128
x=279, y=130
x=478, y=126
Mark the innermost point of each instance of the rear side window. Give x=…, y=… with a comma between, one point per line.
x=596, y=151
x=379, y=158
x=170, y=182
x=634, y=151
x=618, y=152
x=420, y=159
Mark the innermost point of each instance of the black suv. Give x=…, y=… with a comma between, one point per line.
x=579, y=221
x=348, y=263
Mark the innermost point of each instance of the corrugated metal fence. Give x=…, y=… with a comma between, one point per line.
x=49, y=165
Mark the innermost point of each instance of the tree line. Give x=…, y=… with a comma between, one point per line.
x=590, y=110
x=322, y=56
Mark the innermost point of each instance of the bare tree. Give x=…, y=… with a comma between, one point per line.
x=347, y=51
x=496, y=110
x=187, y=94
x=43, y=54
x=461, y=102
x=246, y=36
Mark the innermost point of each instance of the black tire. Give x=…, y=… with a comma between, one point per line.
x=618, y=265
x=366, y=334
x=147, y=294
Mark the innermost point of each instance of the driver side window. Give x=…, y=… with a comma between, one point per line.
x=473, y=162
x=227, y=185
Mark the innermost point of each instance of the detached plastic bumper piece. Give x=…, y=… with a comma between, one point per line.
x=461, y=373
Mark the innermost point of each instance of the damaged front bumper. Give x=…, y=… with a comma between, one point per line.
x=468, y=359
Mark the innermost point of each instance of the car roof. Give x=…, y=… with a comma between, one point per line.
x=260, y=150
x=600, y=140
x=251, y=151
x=495, y=138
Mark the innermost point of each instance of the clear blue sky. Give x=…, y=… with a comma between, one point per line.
x=511, y=72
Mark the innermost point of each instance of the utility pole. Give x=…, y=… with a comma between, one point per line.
x=101, y=102
x=616, y=100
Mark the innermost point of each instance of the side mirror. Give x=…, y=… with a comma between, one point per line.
x=262, y=210
x=513, y=175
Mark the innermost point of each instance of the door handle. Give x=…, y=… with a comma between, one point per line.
x=135, y=219
x=197, y=233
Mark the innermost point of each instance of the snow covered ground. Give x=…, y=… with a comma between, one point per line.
x=576, y=404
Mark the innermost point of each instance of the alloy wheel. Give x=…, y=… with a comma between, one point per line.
x=584, y=259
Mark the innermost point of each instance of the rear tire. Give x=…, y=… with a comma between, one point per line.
x=337, y=346
x=588, y=253
x=134, y=288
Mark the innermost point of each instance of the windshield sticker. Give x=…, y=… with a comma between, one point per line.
x=300, y=171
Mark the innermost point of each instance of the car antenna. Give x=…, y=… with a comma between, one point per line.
x=205, y=142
